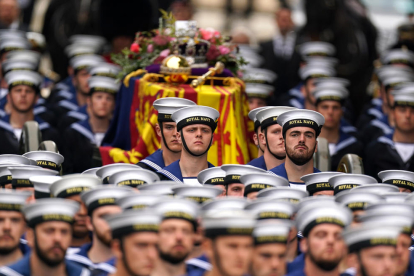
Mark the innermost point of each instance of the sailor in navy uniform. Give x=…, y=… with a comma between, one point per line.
x=330, y=103
x=221, y=226
x=330, y=218
x=257, y=130
x=270, y=136
x=81, y=138
x=100, y=202
x=70, y=187
x=134, y=227
x=166, y=129
x=300, y=131
x=22, y=98
x=234, y=186
x=394, y=151
x=403, y=180
x=45, y=214
x=195, y=126
x=10, y=212
x=66, y=102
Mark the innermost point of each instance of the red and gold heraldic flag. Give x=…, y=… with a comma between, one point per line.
x=232, y=143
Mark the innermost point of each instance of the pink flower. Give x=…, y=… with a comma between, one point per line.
x=150, y=48
x=165, y=53
x=213, y=53
x=161, y=40
x=209, y=34
x=224, y=50
x=239, y=74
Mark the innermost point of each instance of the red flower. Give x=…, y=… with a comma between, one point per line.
x=213, y=53
x=134, y=47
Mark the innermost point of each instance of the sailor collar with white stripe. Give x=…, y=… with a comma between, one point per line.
x=167, y=106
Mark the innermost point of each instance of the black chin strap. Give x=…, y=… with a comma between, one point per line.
x=165, y=143
x=268, y=148
x=188, y=150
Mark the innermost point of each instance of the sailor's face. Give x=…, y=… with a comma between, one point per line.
x=252, y=195
x=234, y=254
x=22, y=98
x=176, y=239
x=404, y=118
x=404, y=190
x=140, y=252
x=256, y=102
x=235, y=189
x=328, y=193
x=332, y=111
x=197, y=137
x=300, y=144
x=79, y=226
x=80, y=81
x=275, y=140
x=102, y=104
x=170, y=135
x=52, y=239
x=269, y=260
x=403, y=253
x=309, y=87
x=325, y=245
x=99, y=224
x=12, y=227
x=378, y=261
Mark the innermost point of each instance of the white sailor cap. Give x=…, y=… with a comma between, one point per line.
x=37, y=40
x=391, y=208
x=46, y=159
x=50, y=209
x=75, y=50
x=24, y=77
x=74, y=184
x=234, y=172
x=321, y=200
x=252, y=116
x=42, y=185
x=17, y=65
x=224, y=203
x=167, y=106
x=255, y=182
x=6, y=34
x=270, y=209
x=91, y=171
x=5, y=174
x=399, y=178
x=196, y=115
x=330, y=94
x=228, y=223
x=357, y=201
x=158, y=188
x=379, y=188
x=301, y=118
x=368, y=235
x=395, y=197
x=409, y=198
x=11, y=200
x=403, y=221
x=259, y=90
x=103, y=195
x=321, y=61
x=332, y=82
x=317, y=182
x=199, y=194
x=105, y=69
x=177, y=208
x=348, y=181
x=137, y=201
x=309, y=217
x=85, y=62
x=398, y=56
x=259, y=75
x=21, y=175
x=316, y=48
x=133, y=178
x=392, y=81
x=283, y=193
x=106, y=171
x=14, y=159
x=103, y=84
x=133, y=221
x=212, y=176
x=268, y=116
x=271, y=231
x=388, y=71
x=94, y=40
x=24, y=55
x=313, y=72
x=13, y=45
